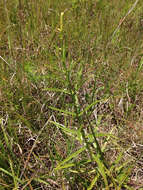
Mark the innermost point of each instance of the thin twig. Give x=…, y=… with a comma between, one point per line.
x=123, y=19
x=5, y=61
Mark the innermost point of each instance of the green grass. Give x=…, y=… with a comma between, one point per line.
x=71, y=94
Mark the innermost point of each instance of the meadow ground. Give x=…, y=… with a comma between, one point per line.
x=71, y=95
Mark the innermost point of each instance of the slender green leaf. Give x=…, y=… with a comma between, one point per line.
x=62, y=111
x=91, y=105
x=93, y=182
x=65, y=129
x=70, y=157
x=13, y=174
x=10, y=174
x=124, y=175
x=101, y=169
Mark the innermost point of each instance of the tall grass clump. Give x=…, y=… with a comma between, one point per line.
x=71, y=86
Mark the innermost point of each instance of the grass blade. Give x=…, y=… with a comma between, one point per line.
x=70, y=157
x=62, y=111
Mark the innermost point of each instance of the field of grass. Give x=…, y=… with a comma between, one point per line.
x=71, y=95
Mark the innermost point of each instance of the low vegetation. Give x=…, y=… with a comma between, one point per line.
x=71, y=95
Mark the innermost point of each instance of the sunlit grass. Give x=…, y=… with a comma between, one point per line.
x=71, y=86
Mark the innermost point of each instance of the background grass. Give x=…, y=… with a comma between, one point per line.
x=71, y=89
